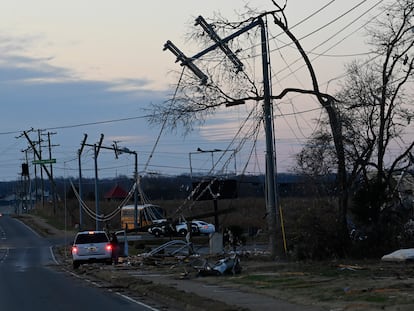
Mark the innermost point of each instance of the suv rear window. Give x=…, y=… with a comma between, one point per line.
x=91, y=238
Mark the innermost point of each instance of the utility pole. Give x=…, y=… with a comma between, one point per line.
x=80, y=181
x=96, y=148
x=40, y=161
x=53, y=185
x=35, y=179
x=26, y=181
x=39, y=157
x=136, y=190
x=126, y=150
x=271, y=198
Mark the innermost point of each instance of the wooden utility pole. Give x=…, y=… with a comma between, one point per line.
x=80, y=182
x=53, y=185
x=41, y=162
x=96, y=148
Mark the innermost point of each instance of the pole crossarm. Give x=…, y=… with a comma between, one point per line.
x=253, y=24
x=185, y=61
x=116, y=149
x=223, y=46
x=221, y=43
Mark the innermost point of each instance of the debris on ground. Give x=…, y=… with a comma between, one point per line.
x=227, y=265
x=350, y=267
x=400, y=255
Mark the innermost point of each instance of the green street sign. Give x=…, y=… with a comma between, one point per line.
x=47, y=161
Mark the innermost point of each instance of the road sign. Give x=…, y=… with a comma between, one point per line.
x=47, y=161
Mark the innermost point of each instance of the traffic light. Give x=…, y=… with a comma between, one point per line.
x=25, y=169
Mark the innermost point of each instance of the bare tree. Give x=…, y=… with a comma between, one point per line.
x=377, y=110
x=318, y=157
x=376, y=105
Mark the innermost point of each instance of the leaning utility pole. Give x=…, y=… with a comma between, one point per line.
x=96, y=148
x=41, y=161
x=53, y=185
x=39, y=158
x=271, y=198
x=80, y=182
x=27, y=195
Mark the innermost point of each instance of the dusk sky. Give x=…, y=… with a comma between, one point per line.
x=75, y=67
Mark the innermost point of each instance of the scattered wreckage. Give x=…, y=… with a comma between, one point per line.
x=212, y=260
x=400, y=255
x=184, y=251
x=227, y=265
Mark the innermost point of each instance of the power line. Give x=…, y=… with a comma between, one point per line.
x=314, y=31
x=334, y=20
x=82, y=124
x=330, y=38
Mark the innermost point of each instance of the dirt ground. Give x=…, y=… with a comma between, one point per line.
x=332, y=285
x=336, y=285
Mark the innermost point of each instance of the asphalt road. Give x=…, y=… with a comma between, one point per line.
x=28, y=280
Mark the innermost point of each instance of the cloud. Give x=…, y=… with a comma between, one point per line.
x=36, y=94
x=129, y=139
x=48, y=95
x=130, y=85
x=17, y=45
x=18, y=69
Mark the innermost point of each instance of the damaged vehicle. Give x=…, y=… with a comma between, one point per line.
x=169, y=228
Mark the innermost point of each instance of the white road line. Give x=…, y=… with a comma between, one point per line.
x=137, y=302
x=27, y=226
x=130, y=299
x=53, y=255
x=6, y=253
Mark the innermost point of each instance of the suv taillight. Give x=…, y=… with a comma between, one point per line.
x=74, y=249
x=109, y=247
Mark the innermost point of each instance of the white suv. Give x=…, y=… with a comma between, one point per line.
x=91, y=246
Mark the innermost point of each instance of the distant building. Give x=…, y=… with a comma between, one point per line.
x=117, y=193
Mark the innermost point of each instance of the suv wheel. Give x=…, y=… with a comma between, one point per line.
x=157, y=232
